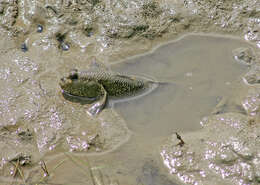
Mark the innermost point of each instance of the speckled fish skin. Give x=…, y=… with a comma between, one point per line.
x=116, y=85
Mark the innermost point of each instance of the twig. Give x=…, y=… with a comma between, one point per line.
x=17, y=169
x=44, y=168
x=181, y=143
x=51, y=171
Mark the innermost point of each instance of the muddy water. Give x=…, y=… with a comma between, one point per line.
x=200, y=70
x=196, y=72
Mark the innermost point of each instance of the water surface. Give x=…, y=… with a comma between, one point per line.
x=200, y=71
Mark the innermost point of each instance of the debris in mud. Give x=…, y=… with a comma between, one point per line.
x=44, y=168
x=244, y=55
x=95, y=141
x=91, y=143
x=22, y=159
x=251, y=101
x=253, y=76
x=181, y=143
x=16, y=150
x=226, y=105
x=25, y=134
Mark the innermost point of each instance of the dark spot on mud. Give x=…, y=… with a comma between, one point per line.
x=25, y=134
x=229, y=107
x=88, y=31
x=1, y=10
x=51, y=9
x=60, y=37
x=62, y=44
x=24, y=48
x=151, y=175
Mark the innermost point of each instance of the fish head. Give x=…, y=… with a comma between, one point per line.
x=80, y=87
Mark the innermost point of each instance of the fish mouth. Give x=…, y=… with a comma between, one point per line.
x=64, y=81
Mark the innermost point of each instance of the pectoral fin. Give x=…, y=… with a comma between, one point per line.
x=94, y=108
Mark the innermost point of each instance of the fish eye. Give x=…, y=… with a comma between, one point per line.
x=74, y=74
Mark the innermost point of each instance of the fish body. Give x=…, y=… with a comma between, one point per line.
x=116, y=85
x=98, y=85
x=85, y=83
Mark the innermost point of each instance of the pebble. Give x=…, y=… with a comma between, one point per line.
x=64, y=46
x=39, y=28
x=24, y=48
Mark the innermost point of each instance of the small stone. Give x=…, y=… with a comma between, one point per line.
x=24, y=48
x=253, y=77
x=39, y=28
x=89, y=34
x=244, y=55
x=64, y=46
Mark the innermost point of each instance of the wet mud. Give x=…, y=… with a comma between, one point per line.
x=208, y=157
x=40, y=41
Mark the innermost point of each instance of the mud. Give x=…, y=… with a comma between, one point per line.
x=106, y=28
x=42, y=40
x=35, y=118
x=208, y=157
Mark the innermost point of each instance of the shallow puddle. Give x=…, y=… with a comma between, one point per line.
x=198, y=71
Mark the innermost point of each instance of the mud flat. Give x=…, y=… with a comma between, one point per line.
x=42, y=40
x=197, y=73
x=36, y=121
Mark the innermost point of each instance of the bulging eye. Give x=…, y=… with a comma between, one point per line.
x=74, y=74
